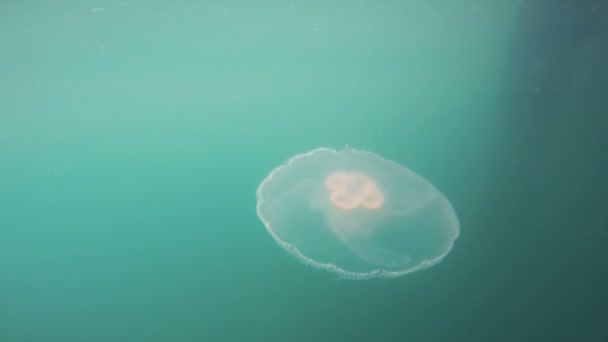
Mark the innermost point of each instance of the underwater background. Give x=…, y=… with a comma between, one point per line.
x=133, y=136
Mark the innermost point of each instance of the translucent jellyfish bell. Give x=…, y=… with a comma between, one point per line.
x=357, y=214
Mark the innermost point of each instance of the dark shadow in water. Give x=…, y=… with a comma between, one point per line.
x=547, y=197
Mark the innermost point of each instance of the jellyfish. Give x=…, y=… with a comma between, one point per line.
x=356, y=214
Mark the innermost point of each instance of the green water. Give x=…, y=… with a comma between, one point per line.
x=133, y=136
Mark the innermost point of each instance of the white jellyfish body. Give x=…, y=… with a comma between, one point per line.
x=357, y=214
